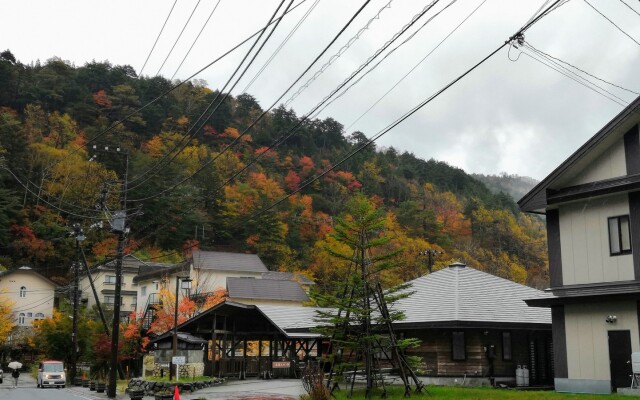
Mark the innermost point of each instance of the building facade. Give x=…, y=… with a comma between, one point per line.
x=592, y=208
x=33, y=295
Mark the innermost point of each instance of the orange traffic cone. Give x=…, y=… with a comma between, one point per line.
x=176, y=394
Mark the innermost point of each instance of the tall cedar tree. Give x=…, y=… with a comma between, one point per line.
x=356, y=320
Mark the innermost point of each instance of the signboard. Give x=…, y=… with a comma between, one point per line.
x=281, y=364
x=178, y=360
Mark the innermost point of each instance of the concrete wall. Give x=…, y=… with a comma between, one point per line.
x=584, y=243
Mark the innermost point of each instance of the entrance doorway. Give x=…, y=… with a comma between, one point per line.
x=620, y=359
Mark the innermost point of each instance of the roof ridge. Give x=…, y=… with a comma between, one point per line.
x=457, y=293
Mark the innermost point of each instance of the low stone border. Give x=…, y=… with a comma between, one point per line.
x=151, y=388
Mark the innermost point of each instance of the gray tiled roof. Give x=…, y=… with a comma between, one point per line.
x=460, y=293
x=265, y=289
x=288, y=276
x=223, y=261
x=290, y=317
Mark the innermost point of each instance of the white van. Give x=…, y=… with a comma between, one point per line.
x=52, y=373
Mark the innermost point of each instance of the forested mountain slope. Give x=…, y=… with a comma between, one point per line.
x=192, y=192
x=514, y=185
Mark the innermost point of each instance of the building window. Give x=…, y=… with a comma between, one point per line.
x=619, y=235
x=21, y=319
x=143, y=291
x=109, y=300
x=29, y=315
x=110, y=280
x=458, y=347
x=39, y=315
x=134, y=302
x=506, y=346
x=23, y=291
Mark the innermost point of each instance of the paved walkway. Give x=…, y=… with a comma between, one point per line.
x=250, y=389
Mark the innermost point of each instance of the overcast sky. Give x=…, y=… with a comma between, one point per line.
x=507, y=116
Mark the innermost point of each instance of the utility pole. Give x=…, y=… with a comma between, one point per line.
x=430, y=253
x=118, y=221
x=79, y=236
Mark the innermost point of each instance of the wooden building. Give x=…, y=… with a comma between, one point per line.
x=476, y=328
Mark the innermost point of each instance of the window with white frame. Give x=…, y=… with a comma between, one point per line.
x=29, y=315
x=110, y=280
x=109, y=300
x=21, y=319
x=143, y=291
x=39, y=315
x=23, y=291
x=619, y=235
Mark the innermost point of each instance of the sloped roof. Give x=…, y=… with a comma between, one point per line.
x=224, y=261
x=265, y=289
x=536, y=199
x=28, y=270
x=288, y=276
x=462, y=294
x=290, y=317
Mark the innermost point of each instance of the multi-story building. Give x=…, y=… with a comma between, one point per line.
x=104, y=281
x=592, y=207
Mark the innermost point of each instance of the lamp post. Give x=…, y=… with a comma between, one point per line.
x=186, y=285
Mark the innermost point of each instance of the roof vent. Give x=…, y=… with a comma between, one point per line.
x=457, y=264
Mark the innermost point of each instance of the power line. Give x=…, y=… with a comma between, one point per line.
x=629, y=7
x=402, y=118
x=282, y=44
x=183, y=142
x=414, y=67
x=580, y=80
x=46, y=201
x=157, y=38
x=295, y=128
x=533, y=48
x=178, y=38
x=338, y=54
x=196, y=39
x=261, y=115
x=612, y=23
x=176, y=86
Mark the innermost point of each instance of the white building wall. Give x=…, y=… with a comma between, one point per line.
x=38, y=298
x=587, y=344
x=609, y=164
x=99, y=277
x=584, y=243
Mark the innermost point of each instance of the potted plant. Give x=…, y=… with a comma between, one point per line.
x=136, y=392
x=164, y=394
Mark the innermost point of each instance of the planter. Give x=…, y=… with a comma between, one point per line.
x=92, y=385
x=85, y=383
x=168, y=396
x=100, y=387
x=137, y=394
x=77, y=381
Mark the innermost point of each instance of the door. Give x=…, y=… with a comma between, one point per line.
x=620, y=359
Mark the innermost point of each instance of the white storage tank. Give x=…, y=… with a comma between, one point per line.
x=519, y=376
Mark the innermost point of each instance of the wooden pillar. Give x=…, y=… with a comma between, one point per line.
x=214, y=345
x=244, y=359
x=259, y=357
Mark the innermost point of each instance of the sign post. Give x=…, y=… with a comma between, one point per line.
x=177, y=361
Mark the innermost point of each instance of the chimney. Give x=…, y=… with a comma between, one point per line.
x=457, y=264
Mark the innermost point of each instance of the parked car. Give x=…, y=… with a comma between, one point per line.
x=52, y=373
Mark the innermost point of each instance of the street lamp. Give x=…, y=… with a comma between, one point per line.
x=430, y=253
x=186, y=285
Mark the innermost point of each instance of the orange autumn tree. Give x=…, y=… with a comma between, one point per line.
x=133, y=343
x=165, y=312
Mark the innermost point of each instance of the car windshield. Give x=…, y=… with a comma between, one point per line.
x=55, y=367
